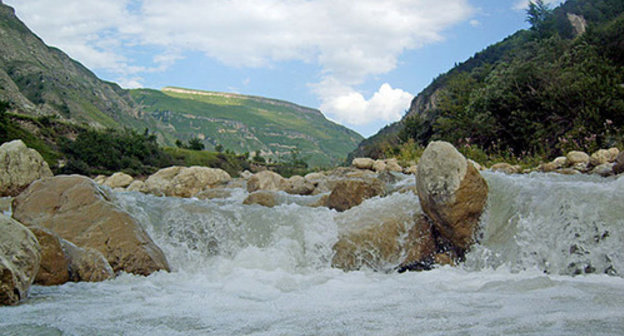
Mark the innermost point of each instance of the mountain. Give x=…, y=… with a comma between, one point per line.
x=242, y=123
x=39, y=80
x=555, y=87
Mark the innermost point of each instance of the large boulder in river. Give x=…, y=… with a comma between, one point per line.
x=19, y=167
x=186, y=181
x=76, y=209
x=20, y=254
x=351, y=192
x=363, y=163
x=452, y=193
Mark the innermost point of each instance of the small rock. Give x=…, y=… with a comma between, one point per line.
x=118, y=180
x=561, y=162
x=86, y=264
x=298, y=185
x=379, y=166
x=618, y=168
x=265, y=180
x=214, y=193
x=352, y=192
x=363, y=163
x=576, y=157
x=138, y=186
x=614, y=153
x=411, y=170
x=393, y=166
x=505, y=168
x=604, y=170
x=262, y=197
x=246, y=174
x=548, y=167
x=100, y=179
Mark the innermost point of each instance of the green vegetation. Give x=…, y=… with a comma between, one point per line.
x=245, y=124
x=537, y=94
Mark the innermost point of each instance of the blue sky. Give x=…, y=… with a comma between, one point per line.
x=360, y=62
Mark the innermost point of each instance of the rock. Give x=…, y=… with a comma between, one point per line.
x=118, y=180
x=214, y=193
x=581, y=166
x=318, y=180
x=5, y=204
x=186, y=181
x=352, y=192
x=567, y=171
x=76, y=209
x=265, y=180
x=452, y=193
x=604, y=170
x=363, y=163
x=476, y=165
x=236, y=183
x=618, y=168
x=561, y=161
x=614, y=153
x=20, y=254
x=86, y=265
x=393, y=166
x=246, y=174
x=548, y=167
x=575, y=157
x=379, y=166
x=383, y=244
x=138, y=185
x=19, y=167
x=505, y=168
x=411, y=170
x=54, y=265
x=321, y=202
x=100, y=179
x=298, y=185
x=262, y=197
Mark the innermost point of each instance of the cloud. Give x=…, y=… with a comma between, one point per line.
x=350, y=41
x=345, y=105
x=475, y=23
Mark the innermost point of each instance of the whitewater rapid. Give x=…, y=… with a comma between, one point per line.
x=549, y=262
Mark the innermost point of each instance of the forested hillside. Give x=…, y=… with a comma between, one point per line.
x=542, y=91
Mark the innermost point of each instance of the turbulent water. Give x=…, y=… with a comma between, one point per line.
x=550, y=261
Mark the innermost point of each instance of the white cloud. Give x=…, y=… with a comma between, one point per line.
x=345, y=105
x=475, y=23
x=350, y=40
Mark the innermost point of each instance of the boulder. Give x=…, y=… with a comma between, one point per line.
x=76, y=209
x=298, y=185
x=5, y=204
x=139, y=186
x=411, y=170
x=118, y=180
x=388, y=243
x=618, y=168
x=505, y=168
x=186, y=181
x=561, y=162
x=321, y=202
x=100, y=179
x=265, y=180
x=548, y=167
x=604, y=170
x=246, y=174
x=363, y=163
x=19, y=167
x=262, y=197
x=214, y=193
x=452, y=193
x=379, y=166
x=393, y=166
x=54, y=265
x=86, y=264
x=351, y=192
x=614, y=151
x=576, y=157
x=20, y=254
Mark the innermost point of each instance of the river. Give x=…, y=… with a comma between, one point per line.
x=549, y=261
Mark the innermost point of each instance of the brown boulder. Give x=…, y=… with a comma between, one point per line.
x=262, y=197
x=351, y=192
x=86, y=264
x=505, y=168
x=118, y=180
x=185, y=181
x=20, y=254
x=19, y=167
x=54, y=265
x=298, y=185
x=363, y=163
x=265, y=180
x=76, y=209
x=452, y=193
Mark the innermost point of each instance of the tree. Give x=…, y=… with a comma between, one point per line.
x=196, y=144
x=219, y=148
x=538, y=14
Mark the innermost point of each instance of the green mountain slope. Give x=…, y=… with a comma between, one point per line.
x=555, y=87
x=38, y=79
x=245, y=124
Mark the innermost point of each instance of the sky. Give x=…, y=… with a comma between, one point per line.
x=360, y=62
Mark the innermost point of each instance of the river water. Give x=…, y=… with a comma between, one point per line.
x=550, y=261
